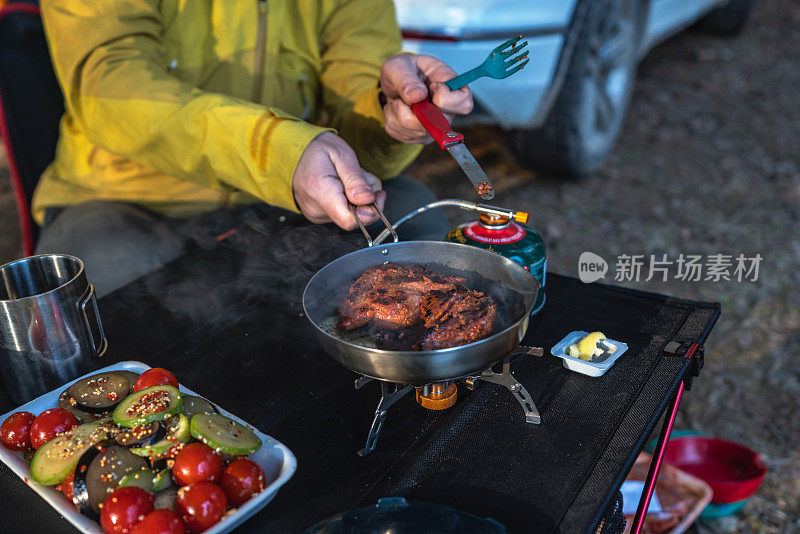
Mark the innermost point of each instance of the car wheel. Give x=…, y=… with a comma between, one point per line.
x=586, y=118
x=728, y=19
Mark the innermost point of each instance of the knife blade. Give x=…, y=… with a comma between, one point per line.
x=473, y=171
x=435, y=123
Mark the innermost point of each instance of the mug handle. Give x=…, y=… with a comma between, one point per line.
x=92, y=322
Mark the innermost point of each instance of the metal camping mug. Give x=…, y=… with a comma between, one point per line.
x=50, y=329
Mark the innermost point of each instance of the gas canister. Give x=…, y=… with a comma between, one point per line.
x=512, y=239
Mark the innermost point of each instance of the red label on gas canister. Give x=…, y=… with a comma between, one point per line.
x=495, y=236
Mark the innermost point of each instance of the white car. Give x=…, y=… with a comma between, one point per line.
x=564, y=110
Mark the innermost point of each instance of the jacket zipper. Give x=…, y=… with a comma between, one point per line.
x=261, y=45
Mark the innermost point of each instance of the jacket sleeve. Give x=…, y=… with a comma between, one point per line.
x=357, y=38
x=111, y=64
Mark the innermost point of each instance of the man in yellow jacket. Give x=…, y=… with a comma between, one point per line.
x=178, y=108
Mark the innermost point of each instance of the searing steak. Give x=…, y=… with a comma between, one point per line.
x=410, y=307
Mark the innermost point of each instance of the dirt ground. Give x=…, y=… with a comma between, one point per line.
x=708, y=163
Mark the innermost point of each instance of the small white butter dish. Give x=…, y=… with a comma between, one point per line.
x=596, y=367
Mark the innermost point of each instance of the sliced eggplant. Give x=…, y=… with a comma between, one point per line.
x=155, y=403
x=56, y=459
x=80, y=491
x=99, y=472
x=158, y=464
x=99, y=392
x=140, y=436
x=224, y=434
x=130, y=376
x=68, y=403
x=228, y=458
x=141, y=479
x=193, y=405
x=167, y=499
x=177, y=434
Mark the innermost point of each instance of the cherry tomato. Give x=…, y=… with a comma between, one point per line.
x=49, y=423
x=67, y=486
x=124, y=508
x=196, y=462
x=241, y=480
x=160, y=522
x=155, y=377
x=15, y=432
x=201, y=505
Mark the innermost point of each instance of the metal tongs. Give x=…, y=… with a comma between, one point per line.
x=363, y=228
x=436, y=124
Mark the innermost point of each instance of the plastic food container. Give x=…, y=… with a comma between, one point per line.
x=713, y=510
x=596, y=367
x=733, y=471
x=274, y=458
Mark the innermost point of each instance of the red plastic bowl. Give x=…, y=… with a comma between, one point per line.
x=732, y=470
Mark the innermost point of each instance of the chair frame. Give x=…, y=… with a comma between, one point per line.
x=26, y=223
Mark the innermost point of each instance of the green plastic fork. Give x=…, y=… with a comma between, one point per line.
x=500, y=63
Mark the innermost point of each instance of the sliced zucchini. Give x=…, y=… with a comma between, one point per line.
x=56, y=459
x=155, y=403
x=177, y=434
x=193, y=405
x=141, y=479
x=162, y=480
x=224, y=434
x=99, y=392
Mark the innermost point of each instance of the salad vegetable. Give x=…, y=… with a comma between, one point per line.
x=133, y=464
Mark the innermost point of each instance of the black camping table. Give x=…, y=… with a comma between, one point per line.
x=226, y=318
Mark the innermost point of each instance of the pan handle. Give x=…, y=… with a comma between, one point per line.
x=364, y=229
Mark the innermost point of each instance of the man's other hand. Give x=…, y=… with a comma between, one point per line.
x=327, y=177
x=410, y=78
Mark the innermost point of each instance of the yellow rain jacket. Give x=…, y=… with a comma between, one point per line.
x=185, y=106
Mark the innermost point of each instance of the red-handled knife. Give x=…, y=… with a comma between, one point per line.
x=436, y=124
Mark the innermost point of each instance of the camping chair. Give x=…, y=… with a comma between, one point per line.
x=31, y=106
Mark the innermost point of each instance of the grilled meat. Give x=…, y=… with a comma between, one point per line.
x=458, y=318
x=410, y=307
x=391, y=295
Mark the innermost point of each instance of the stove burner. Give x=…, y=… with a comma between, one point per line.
x=442, y=395
x=439, y=396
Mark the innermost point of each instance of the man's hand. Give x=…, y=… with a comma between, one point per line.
x=409, y=78
x=327, y=176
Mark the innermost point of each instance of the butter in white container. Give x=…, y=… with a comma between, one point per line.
x=596, y=367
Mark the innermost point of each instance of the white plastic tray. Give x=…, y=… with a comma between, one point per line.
x=277, y=461
x=593, y=368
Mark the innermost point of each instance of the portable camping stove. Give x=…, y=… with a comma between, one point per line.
x=442, y=395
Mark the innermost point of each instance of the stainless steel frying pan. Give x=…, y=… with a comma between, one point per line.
x=509, y=284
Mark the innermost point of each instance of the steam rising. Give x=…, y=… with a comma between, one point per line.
x=270, y=258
